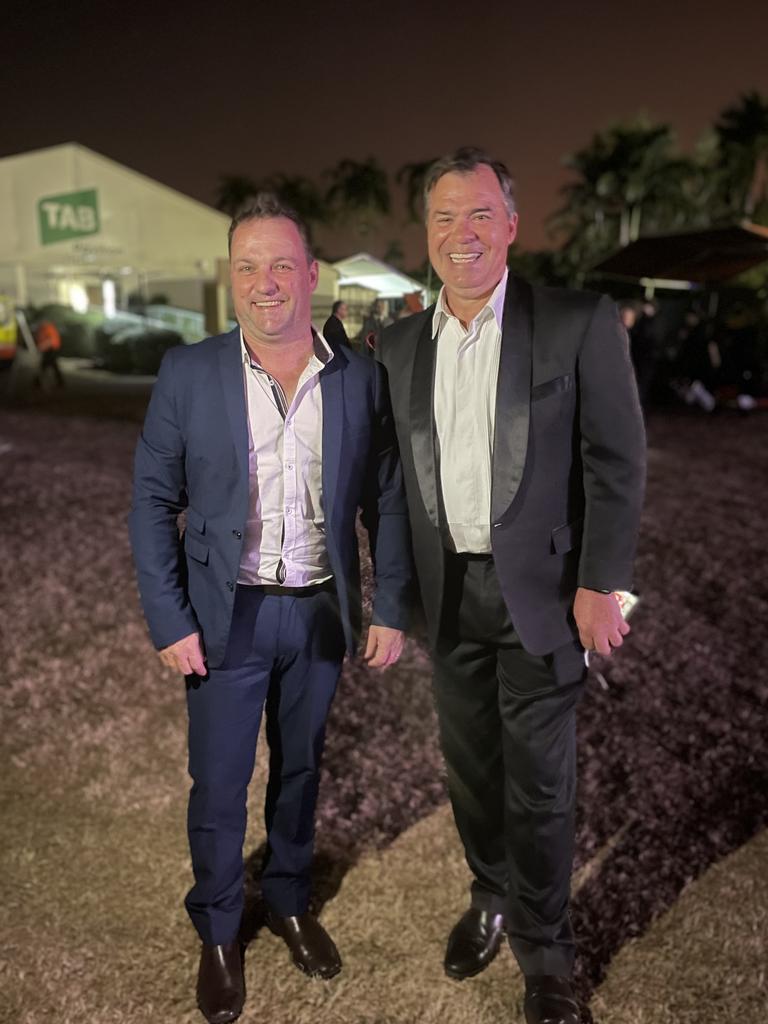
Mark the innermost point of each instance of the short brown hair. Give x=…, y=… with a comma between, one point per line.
x=463, y=161
x=265, y=206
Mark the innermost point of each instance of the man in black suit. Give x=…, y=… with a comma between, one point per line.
x=523, y=453
x=333, y=329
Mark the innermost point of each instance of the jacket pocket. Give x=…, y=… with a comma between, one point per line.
x=195, y=549
x=552, y=387
x=567, y=537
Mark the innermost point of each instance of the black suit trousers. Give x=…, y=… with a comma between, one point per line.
x=507, y=729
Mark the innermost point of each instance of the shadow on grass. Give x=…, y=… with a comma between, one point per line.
x=327, y=875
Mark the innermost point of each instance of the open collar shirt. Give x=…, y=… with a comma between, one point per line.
x=466, y=375
x=285, y=532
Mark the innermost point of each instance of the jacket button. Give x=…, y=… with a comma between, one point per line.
x=230, y=585
x=496, y=526
x=237, y=534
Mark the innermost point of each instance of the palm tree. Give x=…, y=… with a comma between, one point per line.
x=358, y=189
x=301, y=194
x=394, y=253
x=233, y=191
x=628, y=179
x=413, y=176
x=742, y=132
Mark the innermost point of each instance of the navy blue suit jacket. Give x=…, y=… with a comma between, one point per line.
x=193, y=456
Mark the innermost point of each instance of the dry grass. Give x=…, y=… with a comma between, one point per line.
x=705, y=961
x=93, y=855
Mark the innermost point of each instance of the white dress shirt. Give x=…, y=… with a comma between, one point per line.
x=285, y=532
x=466, y=374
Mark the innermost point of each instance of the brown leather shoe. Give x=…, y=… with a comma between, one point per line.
x=220, y=983
x=549, y=999
x=473, y=943
x=311, y=947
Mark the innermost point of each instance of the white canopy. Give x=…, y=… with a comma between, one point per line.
x=388, y=282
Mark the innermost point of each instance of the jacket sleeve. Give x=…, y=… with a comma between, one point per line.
x=385, y=516
x=159, y=495
x=612, y=451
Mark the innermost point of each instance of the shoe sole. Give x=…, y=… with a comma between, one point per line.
x=321, y=975
x=220, y=1020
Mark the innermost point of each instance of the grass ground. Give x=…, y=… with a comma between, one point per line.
x=672, y=901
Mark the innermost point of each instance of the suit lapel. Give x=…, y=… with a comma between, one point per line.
x=231, y=371
x=422, y=418
x=513, y=396
x=332, y=390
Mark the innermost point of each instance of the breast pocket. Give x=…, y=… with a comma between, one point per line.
x=556, y=386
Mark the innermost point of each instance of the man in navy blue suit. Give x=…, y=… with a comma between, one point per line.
x=270, y=439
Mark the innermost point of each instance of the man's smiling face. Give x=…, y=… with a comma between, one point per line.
x=272, y=281
x=469, y=229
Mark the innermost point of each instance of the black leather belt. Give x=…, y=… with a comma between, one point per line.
x=469, y=556
x=279, y=590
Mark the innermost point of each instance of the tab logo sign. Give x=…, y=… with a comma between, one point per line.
x=72, y=215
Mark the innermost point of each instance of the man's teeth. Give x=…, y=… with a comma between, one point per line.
x=464, y=257
x=275, y=302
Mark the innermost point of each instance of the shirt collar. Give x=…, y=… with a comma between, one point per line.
x=494, y=307
x=323, y=353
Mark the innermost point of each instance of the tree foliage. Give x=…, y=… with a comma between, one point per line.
x=628, y=180
x=742, y=135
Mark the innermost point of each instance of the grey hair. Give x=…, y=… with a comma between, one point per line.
x=265, y=206
x=463, y=161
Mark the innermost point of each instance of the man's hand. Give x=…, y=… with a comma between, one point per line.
x=186, y=655
x=598, y=617
x=384, y=647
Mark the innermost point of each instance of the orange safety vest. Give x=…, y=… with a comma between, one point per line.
x=47, y=337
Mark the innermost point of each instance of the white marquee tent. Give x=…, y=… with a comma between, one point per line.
x=73, y=219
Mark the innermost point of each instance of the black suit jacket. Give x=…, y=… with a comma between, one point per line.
x=568, y=467
x=334, y=331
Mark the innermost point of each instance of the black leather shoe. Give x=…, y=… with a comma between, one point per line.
x=473, y=943
x=220, y=983
x=549, y=999
x=311, y=947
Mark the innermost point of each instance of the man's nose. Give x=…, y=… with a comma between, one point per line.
x=464, y=231
x=263, y=281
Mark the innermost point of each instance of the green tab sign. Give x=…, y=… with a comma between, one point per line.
x=72, y=215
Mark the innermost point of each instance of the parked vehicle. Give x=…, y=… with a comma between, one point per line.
x=137, y=350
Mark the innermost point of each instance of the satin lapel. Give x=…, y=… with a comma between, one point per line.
x=422, y=419
x=332, y=390
x=231, y=370
x=513, y=397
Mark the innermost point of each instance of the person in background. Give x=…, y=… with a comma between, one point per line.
x=333, y=328
x=48, y=341
x=644, y=348
x=373, y=324
x=698, y=362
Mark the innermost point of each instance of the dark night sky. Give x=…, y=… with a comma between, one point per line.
x=187, y=92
